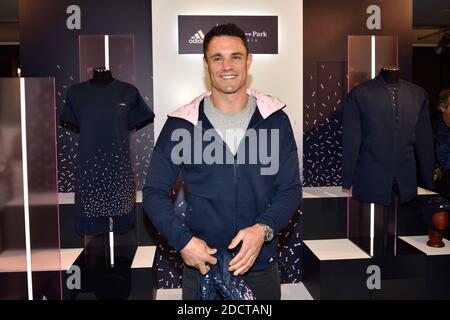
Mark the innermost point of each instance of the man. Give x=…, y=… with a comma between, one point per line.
x=238, y=196
x=443, y=139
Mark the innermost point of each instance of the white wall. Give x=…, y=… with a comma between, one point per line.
x=179, y=78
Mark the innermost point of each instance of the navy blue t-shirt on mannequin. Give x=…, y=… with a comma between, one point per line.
x=103, y=115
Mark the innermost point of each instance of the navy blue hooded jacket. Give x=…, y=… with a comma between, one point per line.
x=380, y=148
x=223, y=198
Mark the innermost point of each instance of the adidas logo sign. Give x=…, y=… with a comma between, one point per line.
x=197, y=37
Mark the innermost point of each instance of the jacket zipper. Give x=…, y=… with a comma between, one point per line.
x=236, y=178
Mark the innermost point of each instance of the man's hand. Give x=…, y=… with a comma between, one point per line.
x=197, y=253
x=252, y=240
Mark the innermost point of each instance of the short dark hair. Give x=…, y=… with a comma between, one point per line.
x=228, y=29
x=443, y=98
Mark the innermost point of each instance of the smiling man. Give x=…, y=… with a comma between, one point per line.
x=233, y=204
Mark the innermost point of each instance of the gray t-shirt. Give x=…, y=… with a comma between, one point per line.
x=231, y=126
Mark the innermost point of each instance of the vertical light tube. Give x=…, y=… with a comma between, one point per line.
x=106, y=52
x=111, y=248
x=372, y=227
x=26, y=203
x=395, y=226
x=372, y=57
x=348, y=216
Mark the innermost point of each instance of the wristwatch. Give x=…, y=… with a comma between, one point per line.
x=268, y=232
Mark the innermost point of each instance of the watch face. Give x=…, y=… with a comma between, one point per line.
x=269, y=234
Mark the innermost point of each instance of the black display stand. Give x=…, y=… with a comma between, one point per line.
x=133, y=275
x=337, y=260
x=101, y=281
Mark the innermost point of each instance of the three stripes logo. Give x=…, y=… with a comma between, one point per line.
x=197, y=38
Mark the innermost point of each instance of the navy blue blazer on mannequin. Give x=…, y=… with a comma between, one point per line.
x=383, y=146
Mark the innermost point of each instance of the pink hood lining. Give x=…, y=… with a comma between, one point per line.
x=266, y=106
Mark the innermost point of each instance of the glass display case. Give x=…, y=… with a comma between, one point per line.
x=366, y=56
x=29, y=219
x=370, y=225
x=104, y=260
